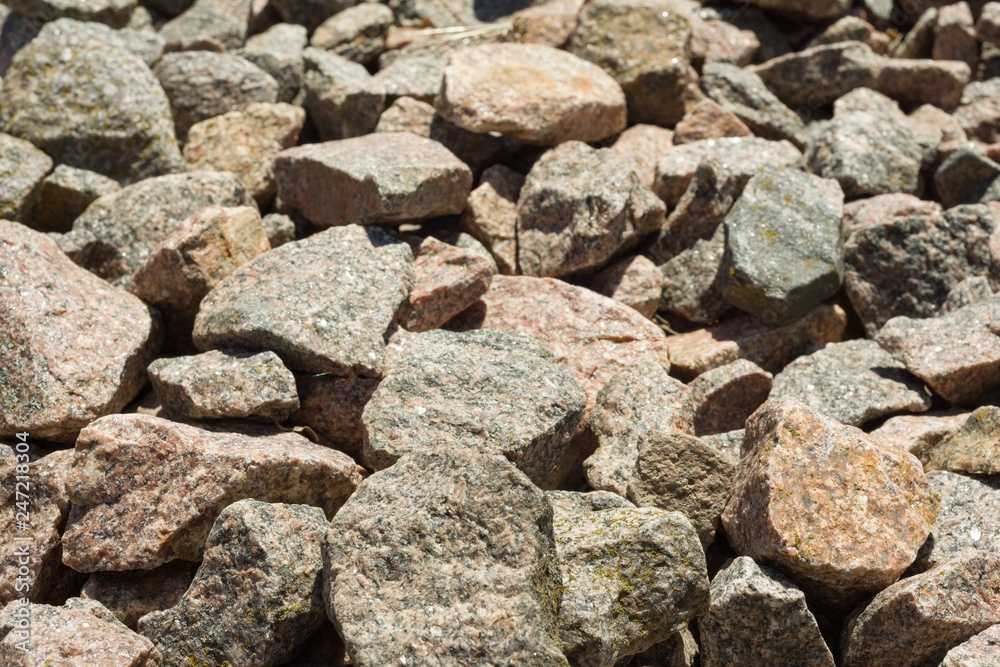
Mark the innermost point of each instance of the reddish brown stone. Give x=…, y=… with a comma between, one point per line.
x=955, y=35
x=551, y=24
x=634, y=281
x=642, y=145
x=720, y=41
x=491, y=215
x=709, y=120
x=913, y=82
x=879, y=209
x=722, y=398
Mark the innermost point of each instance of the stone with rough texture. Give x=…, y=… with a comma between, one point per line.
x=357, y=33
x=634, y=281
x=879, y=209
x=114, y=13
x=245, y=143
x=744, y=93
x=914, y=82
x=694, y=279
x=917, y=620
x=491, y=215
x=853, y=29
x=146, y=491
x=215, y=22
x=919, y=434
x=489, y=390
x=841, y=514
x=759, y=617
x=386, y=178
x=955, y=35
x=854, y=382
x=280, y=229
x=65, y=194
x=132, y=595
x=257, y=597
x=723, y=398
x=551, y=23
x=784, y=245
x=333, y=407
x=578, y=208
x=680, y=650
x=709, y=120
x=641, y=145
x=988, y=27
x=141, y=42
x=75, y=348
x=343, y=99
x=817, y=76
x=974, y=448
x=416, y=71
x=983, y=650
x=278, y=51
x=966, y=176
x=617, y=566
x=332, y=319
x=719, y=41
x=575, y=502
x=969, y=518
x=532, y=93
x=487, y=593
x=22, y=170
x=216, y=385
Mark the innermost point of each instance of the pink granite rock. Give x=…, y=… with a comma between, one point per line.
x=722, y=398
x=969, y=518
x=642, y=146
x=876, y=210
x=719, y=41
x=709, y=120
x=551, y=24
x=332, y=406
x=634, y=281
x=983, y=650
x=919, y=434
x=491, y=215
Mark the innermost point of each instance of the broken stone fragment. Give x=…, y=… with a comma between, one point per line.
x=973, y=449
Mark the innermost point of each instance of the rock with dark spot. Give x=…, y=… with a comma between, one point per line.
x=969, y=518
x=333, y=407
x=343, y=99
x=114, y=13
x=966, y=177
x=132, y=595
x=694, y=280
x=65, y=194
x=974, y=448
x=634, y=281
x=811, y=10
x=955, y=35
x=817, y=76
x=743, y=92
x=310, y=13
x=22, y=169
x=723, y=398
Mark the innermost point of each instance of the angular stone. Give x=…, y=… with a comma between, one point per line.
x=982, y=650
x=76, y=348
x=578, y=208
x=22, y=169
x=222, y=22
x=280, y=229
x=575, y=502
x=333, y=407
x=979, y=119
x=743, y=92
x=919, y=434
x=709, y=120
x=488, y=592
x=146, y=491
x=343, y=99
x=491, y=215
x=719, y=41
x=278, y=51
x=202, y=85
x=416, y=71
x=551, y=23
x=357, y=277
x=815, y=77
x=918, y=42
x=488, y=390
x=988, y=27
x=970, y=507
x=65, y=91
x=642, y=145
x=257, y=597
x=853, y=29
x=82, y=632
x=723, y=398
x=955, y=35
x=854, y=382
x=842, y=514
x=381, y=178
x=680, y=650
x=532, y=93
x=907, y=266
x=917, y=620
x=880, y=209
x=65, y=194
x=617, y=564
x=784, y=245
x=132, y=595
x=694, y=280
x=974, y=448
x=357, y=33
x=759, y=617
x=310, y=13
x=245, y=143
x=966, y=176
x=915, y=82
x=634, y=281
x=812, y=10
x=114, y=13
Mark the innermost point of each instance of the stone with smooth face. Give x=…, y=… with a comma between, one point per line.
x=709, y=120
x=641, y=145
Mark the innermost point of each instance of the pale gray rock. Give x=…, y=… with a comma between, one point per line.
x=969, y=518
x=114, y=13
x=743, y=92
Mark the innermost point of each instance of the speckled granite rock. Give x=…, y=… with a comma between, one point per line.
x=636, y=401
x=817, y=76
x=201, y=85
x=974, y=448
x=966, y=176
x=969, y=291
x=854, y=29
x=634, y=281
x=715, y=40
x=970, y=509
x=333, y=406
x=842, y=514
x=551, y=23
x=709, y=120
x=65, y=194
x=784, y=245
x=957, y=355
x=218, y=385
x=22, y=169
x=759, y=617
x=92, y=98
x=215, y=22
x=82, y=632
x=358, y=33
x=983, y=650
x=132, y=595
x=694, y=280
x=575, y=502
x=917, y=620
x=114, y=13
x=245, y=143
x=76, y=347
x=872, y=211
x=416, y=71
x=578, y=208
x=491, y=215
x=118, y=232
x=913, y=82
x=679, y=472
x=618, y=565
x=278, y=51
x=722, y=398
x=146, y=491
x=310, y=13
x=488, y=390
x=679, y=650
x=854, y=382
x=488, y=592
x=340, y=330
x=744, y=93
x=146, y=44
x=448, y=280
x=918, y=434
x=343, y=99
x=380, y=178
x=642, y=145
x=257, y=596
x=532, y=93
x=908, y=265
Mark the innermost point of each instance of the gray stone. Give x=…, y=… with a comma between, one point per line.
x=279, y=52
x=982, y=650
x=491, y=215
x=394, y=601
x=310, y=13
x=784, y=245
x=743, y=92
x=257, y=596
x=974, y=448
x=969, y=518
x=114, y=13
x=814, y=78
x=575, y=502
x=343, y=99
x=489, y=390
x=854, y=29
x=966, y=176
x=22, y=169
x=65, y=194
x=416, y=71
x=145, y=44
x=280, y=229
x=131, y=595
x=723, y=398
x=759, y=617
x=332, y=319
x=357, y=33
x=216, y=22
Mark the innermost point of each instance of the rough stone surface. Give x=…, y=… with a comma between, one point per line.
x=759, y=617
x=380, y=178
x=144, y=43
x=723, y=398
x=955, y=35
x=343, y=99
x=974, y=448
x=842, y=514
x=709, y=120
x=312, y=326
x=966, y=177
x=132, y=595
x=76, y=348
x=784, y=245
x=22, y=169
x=280, y=229
x=357, y=33
x=680, y=650
x=257, y=596
x=618, y=565
x=854, y=382
x=491, y=215
x=641, y=145
x=917, y=620
x=488, y=593
x=215, y=22
x=983, y=650
x=815, y=77
x=809, y=9
x=988, y=27
x=578, y=208
x=694, y=280
x=634, y=281
x=278, y=51
x=879, y=209
x=532, y=93
x=65, y=194
x=333, y=406
x=914, y=82
x=415, y=71
x=488, y=390
x=918, y=434
x=114, y=13
x=970, y=507
x=743, y=92
x=575, y=502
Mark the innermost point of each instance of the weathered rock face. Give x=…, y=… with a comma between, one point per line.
x=310, y=13
x=575, y=502
x=357, y=33
x=77, y=347
x=114, y=13
x=617, y=564
x=818, y=76
x=491, y=215
x=146, y=491
x=258, y=594
x=532, y=93
x=759, y=617
x=694, y=279
x=65, y=194
x=333, y=406
x=278, y=51
x=578, y=208
x=974, y=449
x=709, y=120
x=340, y=330
x=919, y=434
x=983, y=650
x=139, y=41
x=970, y=507
x=723, y=398
x=634, y=281
x=343, y=99
x=65, y=92
x=387, y=178
x=917, y=620
x=871, y=211
x=641, y=145
x=132, y=595
x=22, y=168
x=392, y=600
x=841, y=514
x=744, y=93
x=488, y=390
